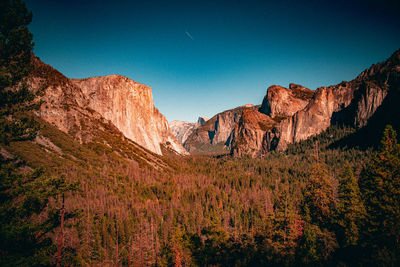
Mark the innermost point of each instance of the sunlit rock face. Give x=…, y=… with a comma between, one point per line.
x=351, y=103
x=284, y=102
x=129, y=106
x=75, y=106
x=299, y=113
x=182, y=129
x=64, y=104
x=253, y=134
x=249, y=133
x=215, y=134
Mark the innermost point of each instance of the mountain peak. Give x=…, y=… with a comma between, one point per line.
x=127, y=104
x=202, y=120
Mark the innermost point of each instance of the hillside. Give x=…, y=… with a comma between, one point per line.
x=133, y=206
x=91, y=173
x=75, y=106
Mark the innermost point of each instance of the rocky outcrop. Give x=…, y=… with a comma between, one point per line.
x=351, y=103
x=254, y=134
x=82, y=107
x=64, y=104
x=299, y=114
x=283, y=102
x=249, y=133
x=129, y=106
x=215, y=135
x=182, y=129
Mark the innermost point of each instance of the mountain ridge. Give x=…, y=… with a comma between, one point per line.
x=350, y=103
x=70, y=105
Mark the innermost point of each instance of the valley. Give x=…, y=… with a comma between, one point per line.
x=93, y=174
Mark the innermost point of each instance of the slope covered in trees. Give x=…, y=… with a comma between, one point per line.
x=304, y=206
x=321, y=202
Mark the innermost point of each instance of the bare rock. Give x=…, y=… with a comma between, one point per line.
x=110, y=104
x=299, y=113
x=214, y=135
x=249, y=133
x=129, y=106
x=283, y=102
x=183, y=129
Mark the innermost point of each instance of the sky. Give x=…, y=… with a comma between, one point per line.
x=204, y=57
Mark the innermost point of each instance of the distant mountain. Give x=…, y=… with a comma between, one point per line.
x=182, y=129
x=75, y=106
x=295, y=114
x=287, y=115
x=214, y=136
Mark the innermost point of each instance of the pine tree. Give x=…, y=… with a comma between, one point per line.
x=25, y=240
x=319, y=195
x=380, y=185
x=318, y=242
x=15, y=64
x=350, y=209
x=27, y=220
x=15, y=43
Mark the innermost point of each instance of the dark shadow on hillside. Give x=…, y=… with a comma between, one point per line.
x=368, y=136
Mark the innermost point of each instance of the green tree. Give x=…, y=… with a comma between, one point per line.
x=317, y=245
x=26, y=218
x=318, y=242
x=350, y=210
x=15, y=63
x=15, y=42
x=319, y=195
x=380, y=186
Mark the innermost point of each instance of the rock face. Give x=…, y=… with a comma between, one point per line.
x=215, y=135
x=253, y=133
x=351, y=103
x=284, y=102
x=76, y=107
x=298, y=113
x=65, y=105
x=129, y=106
x=182, y=129
x=249, y=133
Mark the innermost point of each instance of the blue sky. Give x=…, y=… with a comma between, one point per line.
x=203, y=57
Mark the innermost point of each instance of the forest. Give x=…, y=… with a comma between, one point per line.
x=322, y=202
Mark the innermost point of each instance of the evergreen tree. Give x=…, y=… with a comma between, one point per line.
x=318, y=242
x=350, y=209
x=27, y=219
x=380, y=185
x=15, y=43
x=319, y=195
x=15, y=63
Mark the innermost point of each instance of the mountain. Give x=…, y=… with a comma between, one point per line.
x=182, y=129
x=284, y=102
x=298, y=113
x=129, y=106
x=214, y=136
x=248, y=137
x=75, y=106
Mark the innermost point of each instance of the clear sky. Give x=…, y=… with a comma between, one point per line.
x=203, y=57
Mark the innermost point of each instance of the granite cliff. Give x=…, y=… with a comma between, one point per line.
x=298, y=113
x=129, y=106
x=182, y=129
x=249, y=135
x=214, y=136
x=85, y=106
